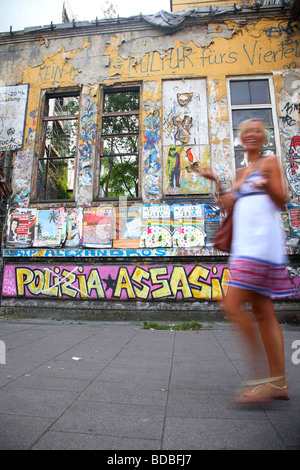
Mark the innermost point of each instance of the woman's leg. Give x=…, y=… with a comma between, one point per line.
x=249, y=336
x=271, y=334
x=234, y=310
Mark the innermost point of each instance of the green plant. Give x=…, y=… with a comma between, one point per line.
x=185, y=326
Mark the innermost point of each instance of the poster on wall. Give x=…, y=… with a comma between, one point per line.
x=50, y=227
x=13, y=105
x=20, y=227
x=156, y=226
x=211, y=222
x=73, y=227
x=127, y=226
x=97, y=226
x=188, y=225
x=185, y=137
x=291, y=224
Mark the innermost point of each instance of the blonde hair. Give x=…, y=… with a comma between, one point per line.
x=244, y=126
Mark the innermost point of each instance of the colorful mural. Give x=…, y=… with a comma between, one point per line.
x=185, y=137
x=151, y=152
x=133, y=282
x=115, y=282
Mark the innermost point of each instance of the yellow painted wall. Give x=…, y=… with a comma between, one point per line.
x=179, y=5
x=214, y=52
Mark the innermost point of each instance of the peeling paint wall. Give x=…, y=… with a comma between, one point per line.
x=184, y=103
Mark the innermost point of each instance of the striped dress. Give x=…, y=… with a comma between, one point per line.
x=257, y=260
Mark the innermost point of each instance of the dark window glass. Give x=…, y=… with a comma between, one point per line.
x=245, y=92
x=251, y=100
x=259, y=92
x=239, y=115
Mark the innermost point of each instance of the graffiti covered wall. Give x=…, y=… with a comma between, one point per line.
x=189, y=282
x=13, y=105
x=185, y=123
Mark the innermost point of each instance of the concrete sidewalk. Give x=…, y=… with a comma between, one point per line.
x=116, y=386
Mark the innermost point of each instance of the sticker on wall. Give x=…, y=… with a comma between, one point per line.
x=156, y=230
x=13, y=105
x=188, y=225
x=20, y=228
x=185, y=137
x=98, y=226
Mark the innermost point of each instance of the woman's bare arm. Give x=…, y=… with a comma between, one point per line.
x=272, y=181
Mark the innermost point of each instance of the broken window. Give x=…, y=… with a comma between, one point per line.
x=251, y=98
x=56, y=162
x=119, y=147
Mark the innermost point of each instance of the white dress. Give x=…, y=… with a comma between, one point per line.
x=257, y=251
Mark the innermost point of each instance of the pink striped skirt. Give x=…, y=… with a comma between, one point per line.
x=259, y=276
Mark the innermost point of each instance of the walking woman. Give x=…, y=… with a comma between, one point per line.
x=257, y=259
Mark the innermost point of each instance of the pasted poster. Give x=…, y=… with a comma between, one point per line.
x=185, y=137
x=188, y=225
x=127, y=226
x=97, y=226
x=13, y=105
x=291, y=225
x=156, y=226
x=211, y=222
x=50, y=228
x=73, y=227
x=20, y=227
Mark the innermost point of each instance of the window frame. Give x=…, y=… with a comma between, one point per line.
x=271, y=106
x=40, y=148
x=106, y=89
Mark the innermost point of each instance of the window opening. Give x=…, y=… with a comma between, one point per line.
x=251, y=98
x=119, y=155
x=56, y=163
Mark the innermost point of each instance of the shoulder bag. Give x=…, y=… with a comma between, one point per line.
x=223, y=236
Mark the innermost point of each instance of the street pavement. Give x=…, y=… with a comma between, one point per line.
x=116, y=386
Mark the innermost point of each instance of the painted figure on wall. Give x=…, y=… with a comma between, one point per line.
x=185, y=136
x=173, y=166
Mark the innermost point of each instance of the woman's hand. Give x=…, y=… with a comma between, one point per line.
x=210, y=176
x=262, y=183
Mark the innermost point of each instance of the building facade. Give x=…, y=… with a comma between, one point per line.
x=104, y=125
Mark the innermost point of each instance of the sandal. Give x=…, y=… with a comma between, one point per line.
x=278, y=392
